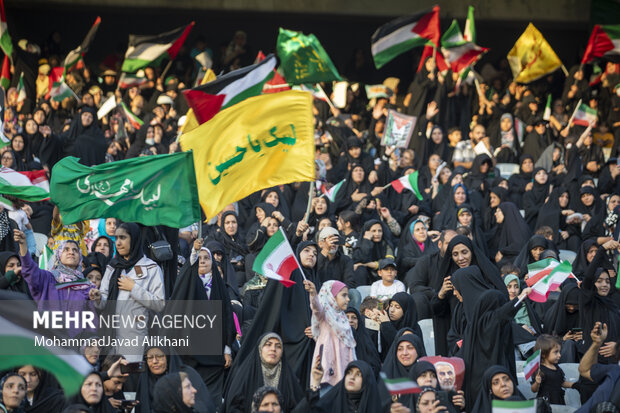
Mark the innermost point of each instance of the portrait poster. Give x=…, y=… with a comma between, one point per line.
x=398, y=129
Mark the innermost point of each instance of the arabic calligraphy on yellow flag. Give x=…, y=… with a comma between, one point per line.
x=264, y=141
x=532, y=56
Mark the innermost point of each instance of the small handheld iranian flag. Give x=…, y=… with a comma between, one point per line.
x=540, y=269
x=277, y=259
x=547, y=112
x=60, y=91
x=75, y=283
x=541, y=290
x=400, y=386
x=509, y=406
x=21, y=90
x=409, y=182
x=135, y=121
x=531, y=365
x=584, y=115
x=333, y=191
x=45, y=257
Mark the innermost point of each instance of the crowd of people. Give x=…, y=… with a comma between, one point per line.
x=374, y=261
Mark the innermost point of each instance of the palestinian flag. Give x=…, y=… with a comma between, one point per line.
x=469, y=34
x=75, y=55
x=604, y=42
x=440, y=61
x=20, y=186
x=21, y=89
x=541, y=290
x=584, y=115
x=277, y=260
x=5, y=74
x=208, y=99
x=144, y=50
x=6, y=44
x=135, y=121
x=458, y=52
x=19, y=343
x=403, y=34
x=547, y=112
x=129, y=80
x=508, y=406
x=60, y=91
x=409, y=182
x=540, y=269
x=276, y=84
x=400, y=386
x=531, y=365
x=333, y=191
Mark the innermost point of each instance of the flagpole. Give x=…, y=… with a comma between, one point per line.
x=309, y=206
x=564, y=70
x=163, y=74
x=574, y=113
x=329, y=102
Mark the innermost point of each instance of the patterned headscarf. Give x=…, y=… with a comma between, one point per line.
x=271, y=373
x=335, y=317
x=64, y=274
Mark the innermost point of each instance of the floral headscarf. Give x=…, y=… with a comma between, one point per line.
x=335, y=317
x=64, y=274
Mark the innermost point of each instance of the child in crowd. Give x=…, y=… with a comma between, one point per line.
x=388, y=285
x=335, y=344
x=549, y=381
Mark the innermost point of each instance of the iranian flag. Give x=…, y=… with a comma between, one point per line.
x=19, y=343
x=208, y=99
x=6, y=44
x=333, y=191
x=547, y=112
x=540, y=269
x=135, y=121
x=584, y=115
x=60, y=91
x=144, y=50
x=604, y=42
x=403, y=34
x=409, y=182
x=469, y=33
x=400, y=386
x=129, y=80
x=22, y=187
x=21, y=89
x=5, y=75
x=509, y=406
x=541, y=290
x=531, y=365
x=44, y=258
x=277, y=260
x=458, y=52
x=76, y=55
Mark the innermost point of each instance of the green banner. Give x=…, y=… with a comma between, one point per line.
x=303, y=59
x=151, y=190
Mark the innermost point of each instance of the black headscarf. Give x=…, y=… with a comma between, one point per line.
x=476, y=179
x=445, y=192
x=485, y=397
x=448, y=215
x=228, y=272
x=551, y=212
x=343, y=196
x=234, y=245
x=87, y=143
x=488, y=339
x=557, y=320
x=338, y=399
x=168, y=395
x=103, y=406
x=379, y=249
x=410, y=317
x=421, y=366
x=48, y=396
x=248, y=378
x=112, y=247
x=535, y=198
x=525, y=255
x=20, y=285
x=471, y=284
x=119, y=263
x=146, y=380
x=282, y=204
x=513, y=232
x=364, y=347
x=581, y=261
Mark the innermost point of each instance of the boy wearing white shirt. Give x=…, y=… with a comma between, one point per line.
x=385, y=288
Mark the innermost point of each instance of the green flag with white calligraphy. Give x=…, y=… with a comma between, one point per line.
x=303, y=59
x=151, y=190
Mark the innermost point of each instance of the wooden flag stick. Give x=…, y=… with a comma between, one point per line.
x=309, y=206
x=329, y=102
x=574, y=113
x=564, y=70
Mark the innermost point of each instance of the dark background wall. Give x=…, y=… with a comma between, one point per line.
x=341, y=25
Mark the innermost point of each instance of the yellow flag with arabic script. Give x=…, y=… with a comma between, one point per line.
x=190, y=121
x=261, y=142
x=532, y=56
